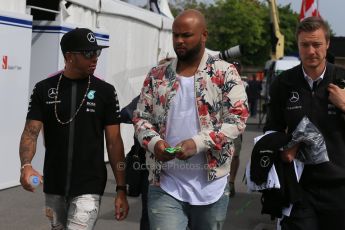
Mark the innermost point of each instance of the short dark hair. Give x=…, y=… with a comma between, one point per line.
x=311, y=24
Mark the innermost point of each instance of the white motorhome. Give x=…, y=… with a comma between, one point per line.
x=275, y=67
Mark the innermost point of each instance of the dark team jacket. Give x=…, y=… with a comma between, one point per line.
x=291, y=99
x=74, y=157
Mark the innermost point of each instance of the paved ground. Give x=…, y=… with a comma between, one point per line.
x=23, y=210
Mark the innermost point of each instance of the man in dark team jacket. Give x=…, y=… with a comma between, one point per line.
x=75, y=109
x=311, y=90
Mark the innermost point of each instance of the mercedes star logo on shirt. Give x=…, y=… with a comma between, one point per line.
x=294, y=97
x=52, y=92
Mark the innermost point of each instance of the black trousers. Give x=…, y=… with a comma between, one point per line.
x=312, y=220
x=144, y=221
x=313, y=213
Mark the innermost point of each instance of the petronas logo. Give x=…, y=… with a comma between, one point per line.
x=91, y=94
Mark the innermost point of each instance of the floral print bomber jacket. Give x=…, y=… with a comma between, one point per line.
x=222, y=111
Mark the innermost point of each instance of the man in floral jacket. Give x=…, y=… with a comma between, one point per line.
x=197, y=103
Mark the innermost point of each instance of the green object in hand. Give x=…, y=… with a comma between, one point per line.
x=173, y=150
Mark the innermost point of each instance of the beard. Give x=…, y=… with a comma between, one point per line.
x=189, y=54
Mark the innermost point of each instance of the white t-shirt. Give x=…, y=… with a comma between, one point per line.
x=186, y=180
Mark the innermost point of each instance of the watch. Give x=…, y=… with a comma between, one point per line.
x=121, y=188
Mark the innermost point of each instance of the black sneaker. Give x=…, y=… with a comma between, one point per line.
x=232, y=189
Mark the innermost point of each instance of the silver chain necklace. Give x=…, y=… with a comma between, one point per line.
x=80, y=105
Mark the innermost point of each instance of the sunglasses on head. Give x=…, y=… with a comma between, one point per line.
x=89, y=53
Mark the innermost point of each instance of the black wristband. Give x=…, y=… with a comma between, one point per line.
x=121, y=188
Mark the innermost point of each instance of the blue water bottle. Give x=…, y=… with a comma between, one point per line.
x=34, y=181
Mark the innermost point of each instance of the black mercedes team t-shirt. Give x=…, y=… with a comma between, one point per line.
x=80, y=143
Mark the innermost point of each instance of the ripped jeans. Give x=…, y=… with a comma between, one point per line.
x=77, y=213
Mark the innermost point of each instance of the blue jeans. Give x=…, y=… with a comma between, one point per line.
x=168, y=213
x=77, y=213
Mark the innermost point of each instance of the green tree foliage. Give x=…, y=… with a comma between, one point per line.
x=234, y=22
x=245, y=23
